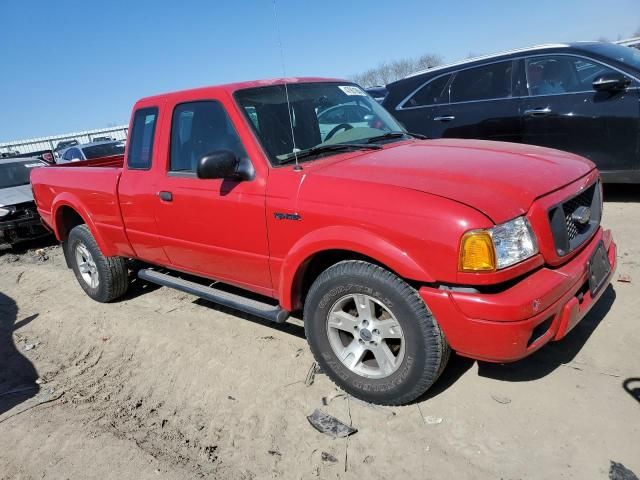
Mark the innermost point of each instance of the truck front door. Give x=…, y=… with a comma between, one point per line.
x=213, y=228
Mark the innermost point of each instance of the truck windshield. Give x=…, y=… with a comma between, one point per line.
x=103, y=150
x=320, y=114
x=13, y=174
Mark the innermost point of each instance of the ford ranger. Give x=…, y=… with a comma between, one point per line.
x=305, y=196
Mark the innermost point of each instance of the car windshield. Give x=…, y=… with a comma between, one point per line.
x=13, y=174
x=103, y=150
x=627, y=55
x=321, y=115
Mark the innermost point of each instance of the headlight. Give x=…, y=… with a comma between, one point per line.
x=498, y=247
x=4, y=211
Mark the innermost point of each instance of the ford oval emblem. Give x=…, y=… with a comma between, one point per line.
x=581, y=215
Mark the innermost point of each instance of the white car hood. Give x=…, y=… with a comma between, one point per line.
x=15, y=195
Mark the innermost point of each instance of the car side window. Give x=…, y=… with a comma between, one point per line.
x=558, y=74
x=432, y=93
x=486, y=82
x=67, y=154
x=199, y=128
x=142, y=134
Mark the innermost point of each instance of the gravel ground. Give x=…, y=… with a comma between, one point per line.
x=163, y=385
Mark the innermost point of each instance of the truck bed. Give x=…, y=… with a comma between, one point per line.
x=92, y=184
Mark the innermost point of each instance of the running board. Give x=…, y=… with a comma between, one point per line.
x=254, y=307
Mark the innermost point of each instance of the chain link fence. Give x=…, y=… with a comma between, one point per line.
x=38, y=145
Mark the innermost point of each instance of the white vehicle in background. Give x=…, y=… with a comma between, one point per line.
x=19, y=219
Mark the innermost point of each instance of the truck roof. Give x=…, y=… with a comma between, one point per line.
x=233, y=87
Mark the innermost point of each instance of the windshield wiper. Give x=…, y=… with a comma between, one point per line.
x=392, y=135
x=327, y=148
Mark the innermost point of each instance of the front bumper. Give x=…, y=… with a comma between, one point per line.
x=511, y=324
x=14, y=231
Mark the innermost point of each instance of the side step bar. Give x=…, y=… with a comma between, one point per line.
x=231, y=300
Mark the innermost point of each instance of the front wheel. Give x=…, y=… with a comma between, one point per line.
x=102, y=278
x=372, y=334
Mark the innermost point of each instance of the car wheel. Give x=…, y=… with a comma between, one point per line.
x=372, y=334
x=102, y=278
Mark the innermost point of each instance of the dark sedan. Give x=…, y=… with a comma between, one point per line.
x=580, y=97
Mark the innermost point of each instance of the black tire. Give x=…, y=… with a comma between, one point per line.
x=113, y=275
x=426, y=349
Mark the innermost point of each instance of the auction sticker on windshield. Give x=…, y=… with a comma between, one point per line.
x=351, y=90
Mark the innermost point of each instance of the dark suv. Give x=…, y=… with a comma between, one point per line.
x=580, y=97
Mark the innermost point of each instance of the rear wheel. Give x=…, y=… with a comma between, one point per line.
x=102, y=278
x=372, y=334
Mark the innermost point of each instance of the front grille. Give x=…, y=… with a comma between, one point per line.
x=583, y=200
x=569, y=224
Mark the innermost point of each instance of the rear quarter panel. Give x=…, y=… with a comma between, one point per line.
x=91, y=191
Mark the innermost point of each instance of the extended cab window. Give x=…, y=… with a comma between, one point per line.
x=482, y=83
x=199, y=128
x=432, y=93
x=142, y=134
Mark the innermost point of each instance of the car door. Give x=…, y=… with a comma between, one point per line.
x=213, y=228
x=563, y=111
x=418, y=112
x=482, y=104
x=137, y=189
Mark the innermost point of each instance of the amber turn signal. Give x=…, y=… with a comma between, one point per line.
x=476, y=252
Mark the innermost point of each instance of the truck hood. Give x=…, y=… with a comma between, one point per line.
x=15, y=195
x=499, y=179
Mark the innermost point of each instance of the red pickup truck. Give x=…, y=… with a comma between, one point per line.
x=305, y=195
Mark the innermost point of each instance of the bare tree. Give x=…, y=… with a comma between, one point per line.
x=387, y=72
x=428, y=60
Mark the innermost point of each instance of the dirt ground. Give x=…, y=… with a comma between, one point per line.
x=163, y=385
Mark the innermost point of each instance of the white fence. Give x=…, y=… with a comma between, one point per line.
x=49, y=143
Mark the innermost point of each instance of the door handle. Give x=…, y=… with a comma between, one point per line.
x=537, y=112
x=165, y=196
x=444, y=118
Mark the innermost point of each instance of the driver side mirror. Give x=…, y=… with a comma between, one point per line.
x=224, y=164
x=611, y=82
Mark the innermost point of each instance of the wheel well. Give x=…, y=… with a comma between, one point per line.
x=318, y=263
x=66, y=219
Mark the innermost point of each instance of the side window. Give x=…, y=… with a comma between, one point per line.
x=198, y=128
x=432, y=93
x=482, y=83
x=67, y=154
x=142, y=135
x=557, y=74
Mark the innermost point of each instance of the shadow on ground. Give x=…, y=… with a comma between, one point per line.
x=621, y=193
x=23, y=247
x=17, y=374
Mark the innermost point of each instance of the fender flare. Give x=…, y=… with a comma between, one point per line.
x=67, y=199
x=352, y=239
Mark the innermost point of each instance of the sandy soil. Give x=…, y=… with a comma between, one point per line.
x=163, y=385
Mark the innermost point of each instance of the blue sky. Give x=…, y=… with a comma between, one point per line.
x=76, y=65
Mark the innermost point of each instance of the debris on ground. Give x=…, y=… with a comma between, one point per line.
x=42, y=255
x=503, y=400
x=327, y=457
x=311, y=374
x=231, y=397
x=618, y=471
x=326, y=400
x=624, y=278
x=330, y=425
x=432, y=420
x=274, y=453
x=368, y=459
x=30, y=346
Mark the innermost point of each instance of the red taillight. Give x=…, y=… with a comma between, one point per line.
x=47, y=157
